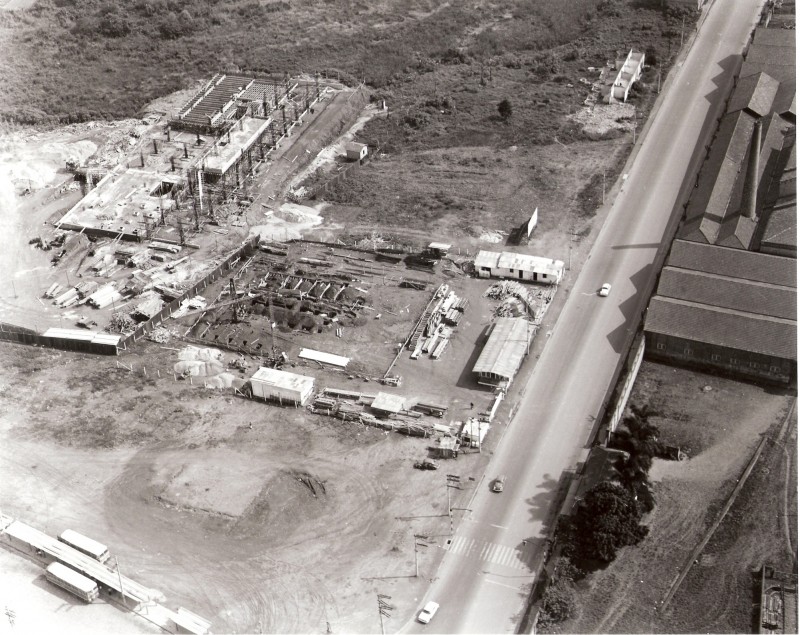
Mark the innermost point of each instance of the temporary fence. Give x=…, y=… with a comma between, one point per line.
x=20, y=335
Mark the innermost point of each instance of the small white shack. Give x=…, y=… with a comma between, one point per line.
x=493, y=264
x=474, y=432
x=356, y=151
x=278, y=385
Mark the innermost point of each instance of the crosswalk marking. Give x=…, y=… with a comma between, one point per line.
x=489, y=551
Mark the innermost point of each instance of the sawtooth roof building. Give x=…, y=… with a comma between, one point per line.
x=727, y=296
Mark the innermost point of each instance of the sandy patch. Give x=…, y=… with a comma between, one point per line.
x=289, y=221
x=492, y=237
x=601, y=119
x=205, y=484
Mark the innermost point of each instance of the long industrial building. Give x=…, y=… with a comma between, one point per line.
x=727, y=297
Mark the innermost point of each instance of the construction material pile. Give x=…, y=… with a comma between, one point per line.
x=160, y=335
x=535, y=299
x=435, y=328
x=199, y=362
x=121, y=323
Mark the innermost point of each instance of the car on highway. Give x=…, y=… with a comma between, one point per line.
x=427, y=612
x=605, y=289
x=427, y=464
x=499, y=484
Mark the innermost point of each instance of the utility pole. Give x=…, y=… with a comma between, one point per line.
x=119, y=576
x=453, y=481
x=417, y=544
x=683, y=24
x=604, y=186
x=384, y=609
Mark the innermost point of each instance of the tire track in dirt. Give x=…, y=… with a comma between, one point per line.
x=212, y=561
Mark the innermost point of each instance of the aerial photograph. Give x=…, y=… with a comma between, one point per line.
x=398, y=316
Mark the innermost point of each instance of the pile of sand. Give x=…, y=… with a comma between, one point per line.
x=195, y=353
x=223, y=380
x=200, y=362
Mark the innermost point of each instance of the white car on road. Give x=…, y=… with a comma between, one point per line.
x=427, y=612
x=605, y=289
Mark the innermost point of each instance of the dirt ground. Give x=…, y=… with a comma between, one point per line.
x=719, y=423
x=281, y=527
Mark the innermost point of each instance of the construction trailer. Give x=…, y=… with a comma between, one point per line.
x=281, y=386
x=507, y=264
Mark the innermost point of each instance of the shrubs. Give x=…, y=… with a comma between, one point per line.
x=505, y=110
x=606, y=520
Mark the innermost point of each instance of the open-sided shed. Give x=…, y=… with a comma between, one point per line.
x=503, y=353
x=388, y=404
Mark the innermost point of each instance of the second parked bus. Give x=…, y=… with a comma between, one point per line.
x=90, y=547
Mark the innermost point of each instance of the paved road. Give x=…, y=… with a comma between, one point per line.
x=484, y=578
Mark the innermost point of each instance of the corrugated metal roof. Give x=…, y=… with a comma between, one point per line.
x=325, y=358
x=487, y=259
x=722, y=327
x=735, y=263
x=781, y=229
x=786, y=98
x=507, y=345
x=283, y=379
x=756, y=93
x=731, y=293
x=83, y=335
x=519, y=262
x=389, y=402
x=774, y=37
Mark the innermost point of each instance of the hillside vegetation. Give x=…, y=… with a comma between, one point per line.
x=450, y=64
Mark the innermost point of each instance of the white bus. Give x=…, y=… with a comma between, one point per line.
x=90, y=547
x=72, y=581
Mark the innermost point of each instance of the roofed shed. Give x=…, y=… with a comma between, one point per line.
x=503, y=353
x=278, y=385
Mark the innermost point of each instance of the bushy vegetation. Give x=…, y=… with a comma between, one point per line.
x=607, y=519
x=72, y=60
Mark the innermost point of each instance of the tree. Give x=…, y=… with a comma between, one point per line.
x=606, y=520
x=505, y=110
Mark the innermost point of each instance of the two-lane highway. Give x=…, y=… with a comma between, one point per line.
x=485, y=575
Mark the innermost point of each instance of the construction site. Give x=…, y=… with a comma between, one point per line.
x=170, y=210
x=187, y=258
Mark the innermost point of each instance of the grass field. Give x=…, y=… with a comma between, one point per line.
x=442, y=67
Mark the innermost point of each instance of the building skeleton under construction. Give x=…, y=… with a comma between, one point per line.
x=240, y=120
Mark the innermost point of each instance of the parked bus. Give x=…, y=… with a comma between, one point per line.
x=72, y=581
x=90, y=547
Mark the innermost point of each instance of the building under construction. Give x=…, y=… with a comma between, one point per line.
x=201, y=156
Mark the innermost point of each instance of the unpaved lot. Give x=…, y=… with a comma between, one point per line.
x=719, y=423
x=258, y=518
